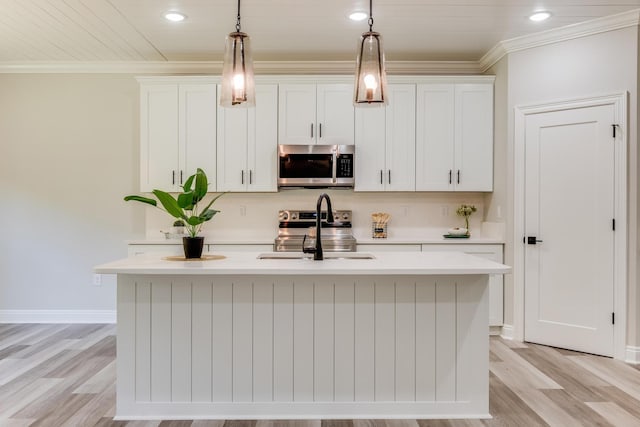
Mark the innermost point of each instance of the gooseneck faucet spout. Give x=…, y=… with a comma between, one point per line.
x=317, y=252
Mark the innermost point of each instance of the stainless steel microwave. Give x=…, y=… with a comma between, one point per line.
x=315, y=165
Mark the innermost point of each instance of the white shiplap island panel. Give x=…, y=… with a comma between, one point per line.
x=316, y=342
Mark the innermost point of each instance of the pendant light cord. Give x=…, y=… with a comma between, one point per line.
x=238, y=18
x=370, y=15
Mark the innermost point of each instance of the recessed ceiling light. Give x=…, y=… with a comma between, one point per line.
x=540, y=16
x=174, y=16
x=358, y=16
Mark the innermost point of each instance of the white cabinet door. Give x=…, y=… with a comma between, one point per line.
x=262, y=153
x=491, y=252
x=454, y=139
x=388, y=247
x=161, y=250
x=385, y=143
x=297, y=114
x=474, y=137
x=177, y=133
x=401, y=138
x=335, y=114
x=315, y=114
x=370, y=137
x=158, y=137
x=247, y=144
x=232, y=148
x=435, y=137
x=197, y=123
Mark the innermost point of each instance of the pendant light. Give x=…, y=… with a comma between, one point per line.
x=371, y=79
x=238, y=86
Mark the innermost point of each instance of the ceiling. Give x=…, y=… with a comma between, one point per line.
x=281, y=30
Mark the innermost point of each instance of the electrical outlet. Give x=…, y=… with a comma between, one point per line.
x=444, y=210
x=243, y=211
x=405, y=211
x=97, y=280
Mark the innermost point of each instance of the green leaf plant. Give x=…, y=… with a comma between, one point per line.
x=185, y=205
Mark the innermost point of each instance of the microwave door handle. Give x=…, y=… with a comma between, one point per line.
x=334, y=167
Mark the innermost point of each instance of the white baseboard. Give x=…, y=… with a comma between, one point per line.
x=57, y=316
x=633, y=355
x=495, y=331
x=507, y=332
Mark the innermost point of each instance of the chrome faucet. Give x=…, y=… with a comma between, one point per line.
x=317, y=251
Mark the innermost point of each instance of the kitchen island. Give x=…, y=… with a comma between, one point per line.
x=404, y=335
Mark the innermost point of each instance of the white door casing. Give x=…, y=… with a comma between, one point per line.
x=570, y=183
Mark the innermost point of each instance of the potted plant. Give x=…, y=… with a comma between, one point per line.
x=466, y=211
x=185, y=207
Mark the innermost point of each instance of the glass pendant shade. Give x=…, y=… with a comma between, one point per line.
x=238, y=85
x=371, y=80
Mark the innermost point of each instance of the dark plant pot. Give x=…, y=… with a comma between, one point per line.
x=192, y=246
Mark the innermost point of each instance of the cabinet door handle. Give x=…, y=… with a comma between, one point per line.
x=250, y=176
x=320, y=130
x=389, y=176
x=450, y=172
x=380, y=176
x=458, y=177
x=242, y=177
x=173, y=177
x=180, y=177
x=311, y=130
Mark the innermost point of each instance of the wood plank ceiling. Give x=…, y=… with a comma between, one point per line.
x=294, y=30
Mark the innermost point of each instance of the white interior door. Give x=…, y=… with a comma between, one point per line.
x=569, y=209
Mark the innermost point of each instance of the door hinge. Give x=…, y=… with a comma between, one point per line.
x=613, y=318
x=613, y=224
x=614, y=127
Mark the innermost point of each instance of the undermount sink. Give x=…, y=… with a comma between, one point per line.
x=327, y=255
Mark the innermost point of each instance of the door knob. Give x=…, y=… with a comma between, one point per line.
x=532, y=240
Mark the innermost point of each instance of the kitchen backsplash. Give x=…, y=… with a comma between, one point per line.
x=247, y=216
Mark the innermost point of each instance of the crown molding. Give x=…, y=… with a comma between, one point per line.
x=215, y=67
x=556, y=35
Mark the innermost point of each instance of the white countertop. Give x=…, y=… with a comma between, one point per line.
x=425, y=240
x=207, y=241
x=247, y=263
x=409, y=240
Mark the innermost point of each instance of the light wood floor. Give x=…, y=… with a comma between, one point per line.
x=64, y=375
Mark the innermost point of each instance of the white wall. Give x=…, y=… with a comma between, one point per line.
x=498, y=204
x=600, y=64
x=68, y=155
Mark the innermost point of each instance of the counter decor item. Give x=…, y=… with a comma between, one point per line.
x=457, y=233
x=185, y=207
x=466, y=211
x=379, y=222
x=176, y=231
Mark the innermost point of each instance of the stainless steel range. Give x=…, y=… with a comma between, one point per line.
x=295, y=224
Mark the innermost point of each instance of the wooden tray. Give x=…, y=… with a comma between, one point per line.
x=204, y=258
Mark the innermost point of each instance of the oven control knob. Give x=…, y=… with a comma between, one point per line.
x=345, y=217
x=282, y=216
x=294, y=216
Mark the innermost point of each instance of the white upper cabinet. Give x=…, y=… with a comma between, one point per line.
x=385, y=143
x=316, y=114
x=247, y=144
x=177, y=133
x=454, y=137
